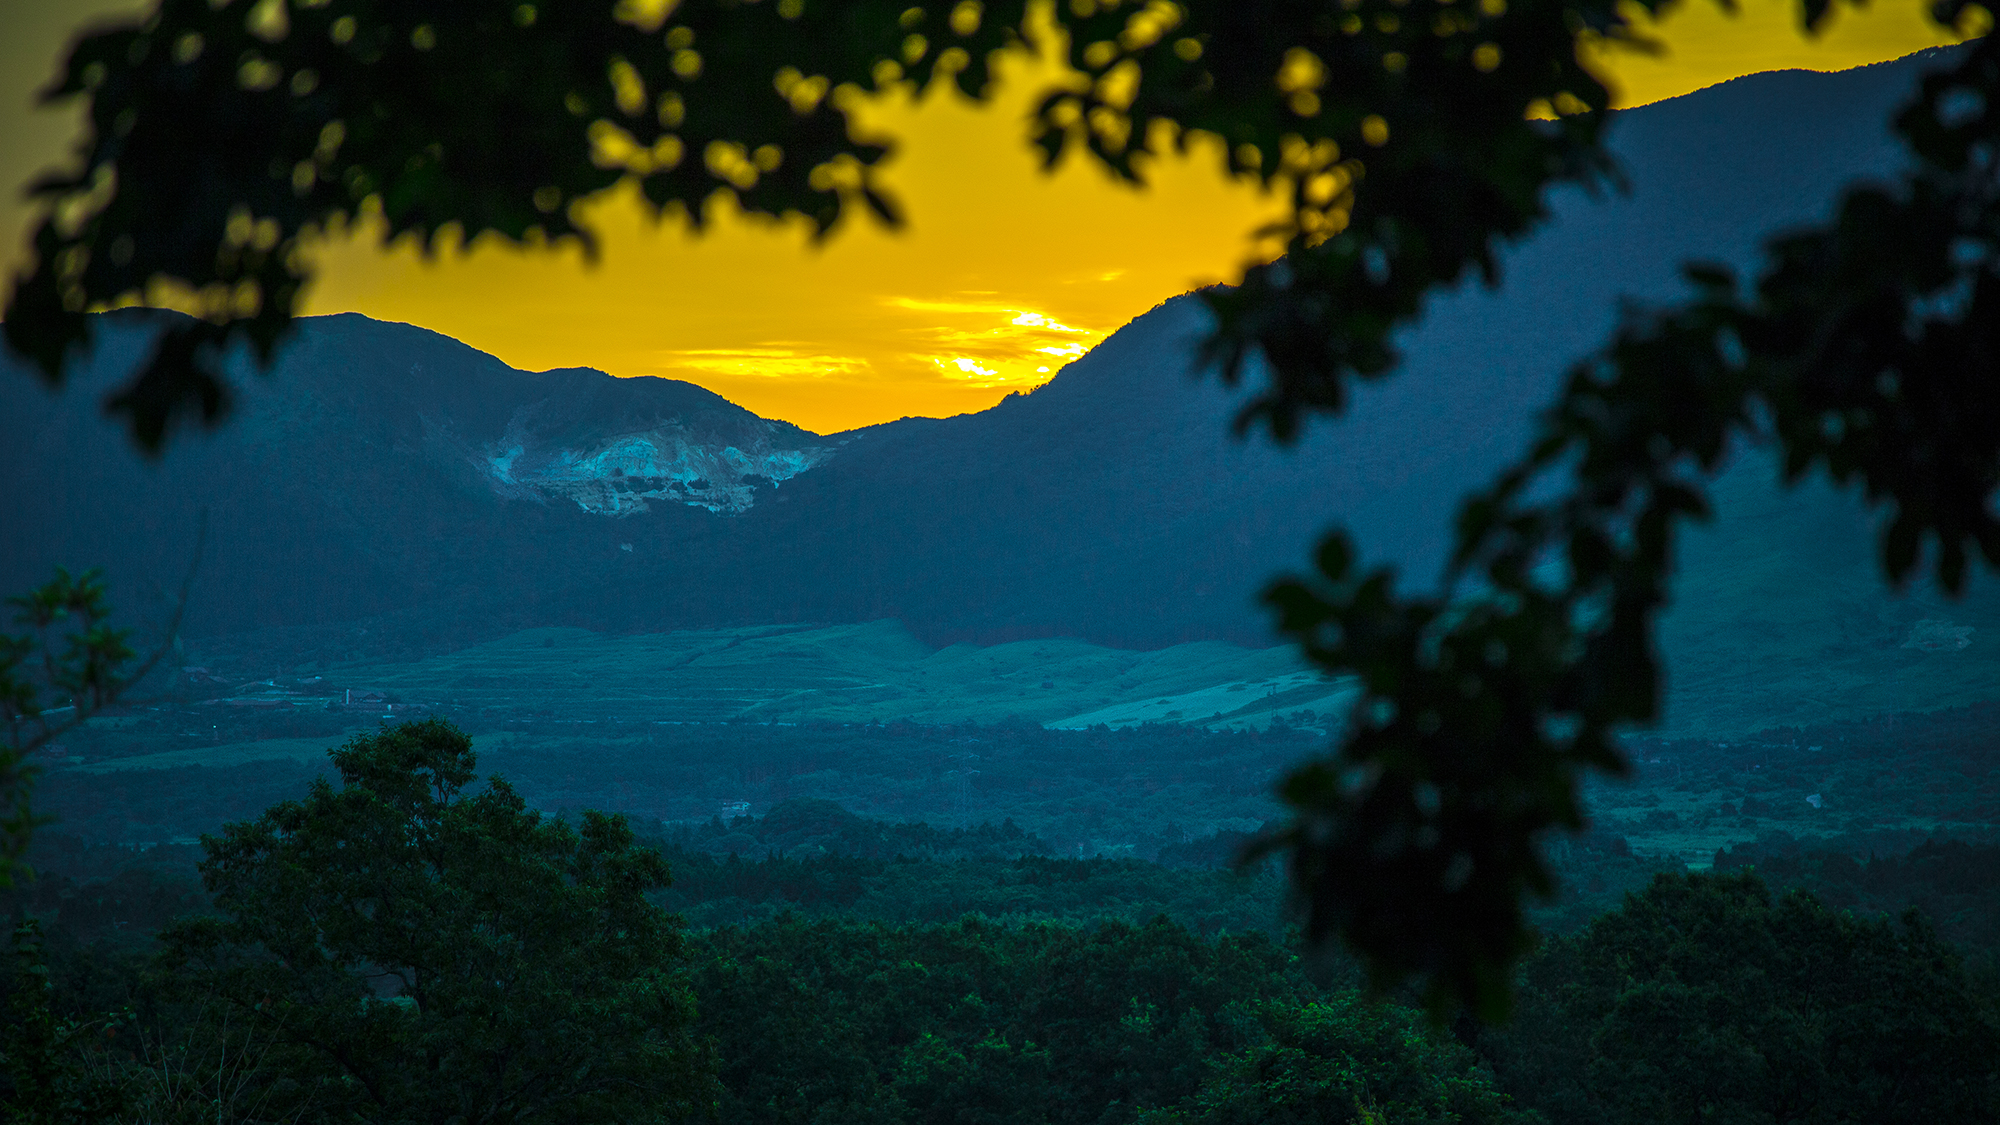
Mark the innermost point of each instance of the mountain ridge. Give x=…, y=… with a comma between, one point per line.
x=367, y=499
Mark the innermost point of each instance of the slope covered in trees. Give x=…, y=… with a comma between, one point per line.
x=1862, y=347
x=826, y=967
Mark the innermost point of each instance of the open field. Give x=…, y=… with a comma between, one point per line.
x=874, y=672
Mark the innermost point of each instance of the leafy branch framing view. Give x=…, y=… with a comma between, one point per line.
x=1416, y=140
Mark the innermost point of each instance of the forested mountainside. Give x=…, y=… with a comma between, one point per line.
x=393, y=492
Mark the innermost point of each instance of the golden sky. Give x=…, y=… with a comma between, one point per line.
x=1001, y=276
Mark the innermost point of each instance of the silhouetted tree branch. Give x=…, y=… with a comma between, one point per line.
x=67, y=664
x=1416, y=140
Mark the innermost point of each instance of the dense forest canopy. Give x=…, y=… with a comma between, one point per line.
x=1414, y=143
x=402, y=942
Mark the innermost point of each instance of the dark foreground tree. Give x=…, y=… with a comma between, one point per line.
x=1706, y=998
x=1344, y=1061
x=412, y=951
x=1416, y=139
x=976, y=1021
x=46, y=1071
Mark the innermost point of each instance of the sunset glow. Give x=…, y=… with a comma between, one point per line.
x=1003, y=274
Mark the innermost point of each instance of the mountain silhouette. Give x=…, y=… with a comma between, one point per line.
x=387, y=489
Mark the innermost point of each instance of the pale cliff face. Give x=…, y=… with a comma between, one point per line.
x=619, y=474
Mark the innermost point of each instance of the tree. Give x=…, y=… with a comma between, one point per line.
x=67, y=663
x=1705, y=997
x=976, y=1021
x=1416, y=139
x=46, y=1077
x=1346, y=1060
x=418, y=952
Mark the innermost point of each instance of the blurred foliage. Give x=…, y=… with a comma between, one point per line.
x=1415, y=140
x=68, y=662
x=224, y=136
x=1866, y=349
